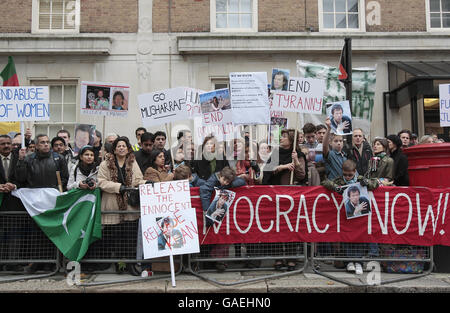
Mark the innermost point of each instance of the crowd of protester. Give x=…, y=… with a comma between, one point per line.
x=315, y=157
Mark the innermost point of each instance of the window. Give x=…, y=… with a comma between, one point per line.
x=62, y=106
x=234, y=15
x=219, y=83
x=438, y=15
x=342, y=15
x=56, y=16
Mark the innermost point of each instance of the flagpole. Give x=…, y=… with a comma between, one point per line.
x=348, y=82
x=294, y=147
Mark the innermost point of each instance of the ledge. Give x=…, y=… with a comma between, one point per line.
x=49, y=44
x=204, y=43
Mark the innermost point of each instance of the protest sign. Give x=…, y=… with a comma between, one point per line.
x=219, y=206
x=84, y=135
x=249, y=101
x=356, y=199
x=444, y=105
x=193, y=102
x=399, y=215
x=303, y=95
x=340, y=117
x=169, y=224
x=24, y=104
x=163, y=106
x=216, y=113
x=106, y=99
x=280, y=78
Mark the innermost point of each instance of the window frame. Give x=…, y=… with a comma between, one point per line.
x=428, y=19
x=361, y=20
x=254, y=27
x=35, y=21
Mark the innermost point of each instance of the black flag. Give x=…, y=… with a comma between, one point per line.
x=343, y=64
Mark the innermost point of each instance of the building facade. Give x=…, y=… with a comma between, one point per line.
x=159, y=44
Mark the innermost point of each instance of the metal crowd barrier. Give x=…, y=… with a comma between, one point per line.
x=410, y=261
x=22, y=243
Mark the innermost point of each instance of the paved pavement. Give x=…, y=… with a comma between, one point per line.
x=253, y=282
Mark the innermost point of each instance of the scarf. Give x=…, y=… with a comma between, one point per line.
x=375, y=161
x=114, y=172
x=85, y=169
x=285, y=156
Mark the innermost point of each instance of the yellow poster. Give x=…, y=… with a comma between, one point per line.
x=6, y=127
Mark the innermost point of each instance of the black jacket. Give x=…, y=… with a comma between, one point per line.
x=9, y=202
x=361, y=160
x=203, y=168
x=401, y=176
x=142, y=159
x=39, y=171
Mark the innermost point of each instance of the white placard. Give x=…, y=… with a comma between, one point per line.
x=164, y=106
x=169, y=223
x=444, y=105
x=105, y=99
x=249, y=98
x=304, y=95
x=25, y=103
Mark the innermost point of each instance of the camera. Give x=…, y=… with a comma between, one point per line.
x=90, y=182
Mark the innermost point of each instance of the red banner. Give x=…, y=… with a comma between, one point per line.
x=399, y=215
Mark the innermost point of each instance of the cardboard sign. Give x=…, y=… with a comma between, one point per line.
x=303, y=95
x=249, y=101
x=84, y=135
x=163, y=106
x=24, y=104
x=356, y=199
x=169, y=223
x=444, y=105
x=340, y=117
x=106, y=99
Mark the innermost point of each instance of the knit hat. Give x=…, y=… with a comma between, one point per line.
x=395, y=140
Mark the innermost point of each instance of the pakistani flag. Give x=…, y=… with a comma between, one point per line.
x=72, y=220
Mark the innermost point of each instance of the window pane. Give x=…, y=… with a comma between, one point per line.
x=44, y=6
x=352, y=6
x=246, y=20
x=57, y=6
x=70, y=113
x=435, y=20
x=233, y=6
x=221, y=5
x=57, y=21
x=55, y=94
x=341, y=21
x=435, y=6
x=221, y=20
x=246, y=6
x=353, y=21
x=233, y=21
x=55, y=112
x=328, y=20
x=445, y=5
x=328, y=6
x=44, y=21
x=446, y=20
x=69, y=22
x=340, y=6
x=70, y=94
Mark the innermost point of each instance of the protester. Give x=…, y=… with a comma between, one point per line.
x=69, y=155
x=360, y=151
x=335, y=157
x=31, y=147
x=184, y=172
x=320, y=132
x=211, y=161
x=139, y=132
x=350, y=176
x=401, y=177
x=414, y=140
x=160, y=143
x=59, y=146
x=98, y=146
x=405, y=137
x=314, y=152
x=84, y=173
x=109, y=139
x=158, y=171
x=143, y=155
x=426, y=139
x=381, y=166
x=248, y=169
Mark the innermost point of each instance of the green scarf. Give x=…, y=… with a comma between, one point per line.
x=212, y=164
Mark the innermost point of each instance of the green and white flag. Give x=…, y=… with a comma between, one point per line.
x=71, y=220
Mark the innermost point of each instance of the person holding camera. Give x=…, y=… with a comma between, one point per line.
x=84, y=173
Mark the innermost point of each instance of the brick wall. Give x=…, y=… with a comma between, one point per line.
x=186, y=16
x=16, y=16
x=109, y=16
x=400, y=16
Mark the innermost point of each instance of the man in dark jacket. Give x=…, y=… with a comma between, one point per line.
x=143, y=154
x=401, y=176
x=360, y=151
x=39, y=169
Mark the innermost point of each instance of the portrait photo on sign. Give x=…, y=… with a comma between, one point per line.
x=169, y=236
x=120, y=98
x=97, y=97
x=340, y=117
x=280, y=79
x=219, y=206
x=84, y=135
x=356, y=199
x=217, y=100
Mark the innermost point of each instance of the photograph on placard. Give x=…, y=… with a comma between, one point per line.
x=280, y=79
x=120, y=98
x=84, y=135
x=169, y=236
x=217, y=100
x=219, y=206
x=340, y=117
x=356, y=199
x=98, y=97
